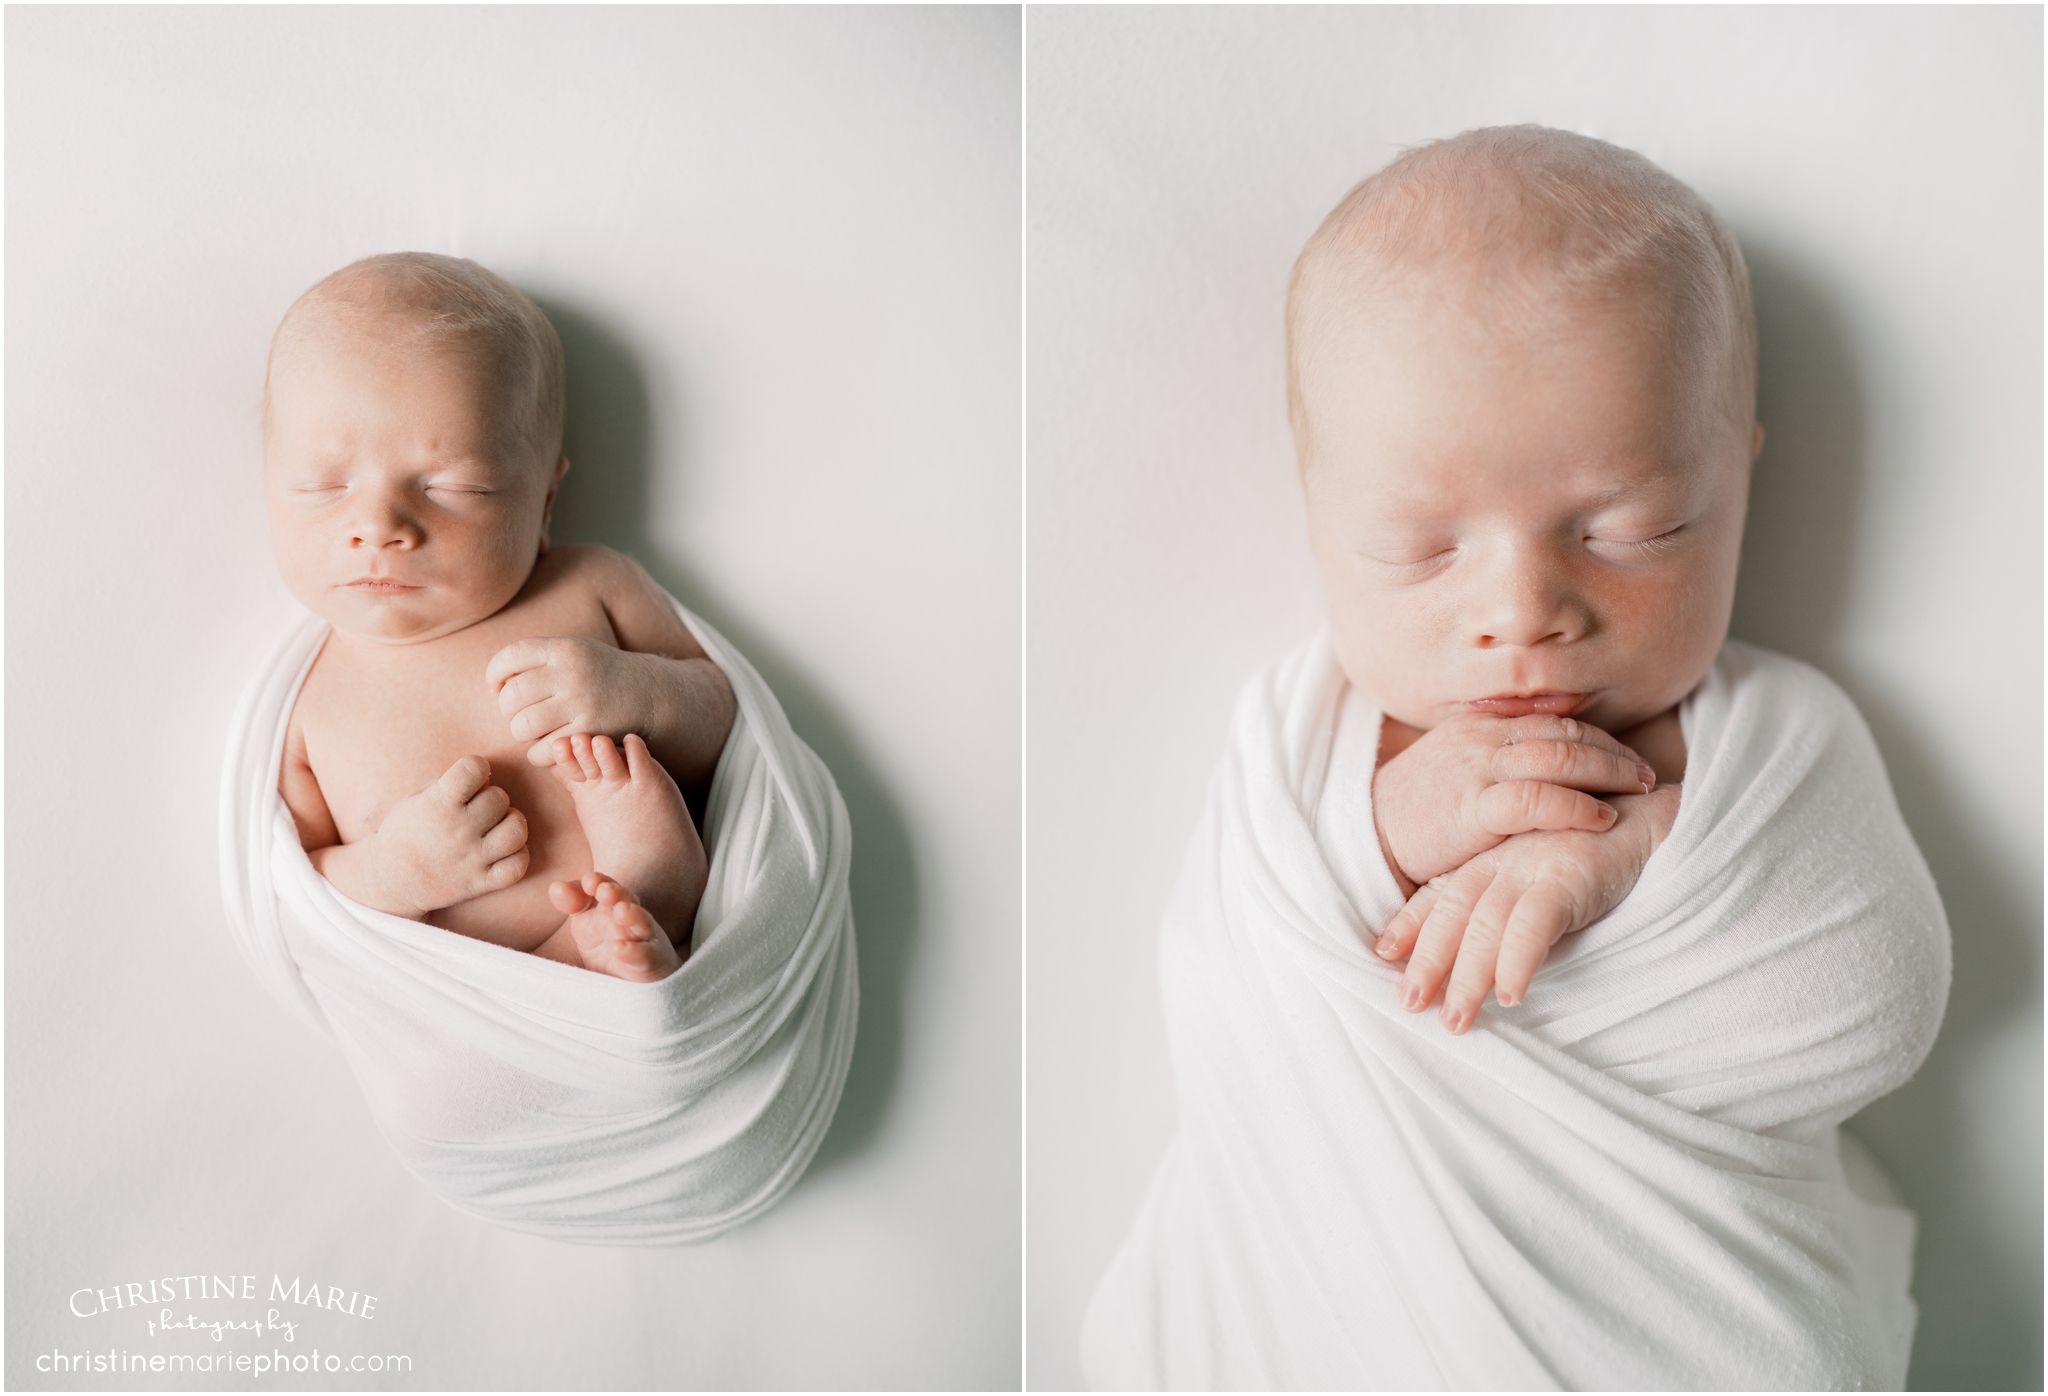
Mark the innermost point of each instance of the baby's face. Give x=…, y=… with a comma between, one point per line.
x=1520, y=518
x=394, y=512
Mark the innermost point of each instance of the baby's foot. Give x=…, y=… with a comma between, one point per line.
x=614, y=934
x=639, y=830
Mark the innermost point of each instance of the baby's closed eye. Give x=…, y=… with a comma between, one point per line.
x=1633, y=544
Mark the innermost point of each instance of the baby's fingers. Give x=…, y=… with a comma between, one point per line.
x=1543, y=915
x=487, y=807
x=1436, y=944
x=1399, y=936
x=1545, y=727
x=1522, y=806
x=553, y=750
x=1478, y=954
x=1580, y=765
x=461, y=781
x=537, y=719
x=507, y=837
x=516, y=658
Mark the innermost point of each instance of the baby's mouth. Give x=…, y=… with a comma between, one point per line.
x=381, y=586
x=1526, y=704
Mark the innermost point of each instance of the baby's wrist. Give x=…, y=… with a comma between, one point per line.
x=1406, y=883
x=665, y=698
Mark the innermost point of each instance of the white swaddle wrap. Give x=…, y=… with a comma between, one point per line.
x=1631, y=1180
x=547, y=1098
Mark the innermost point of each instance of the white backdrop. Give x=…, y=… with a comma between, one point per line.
x=1883, y=170
x=782, y=247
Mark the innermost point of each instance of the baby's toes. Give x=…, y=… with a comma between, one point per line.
x=569, y=898
x=563, y=760
x=585, y=753
x=634, y=921
x=610, y=764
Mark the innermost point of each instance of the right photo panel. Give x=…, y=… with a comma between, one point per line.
x=1534, y=653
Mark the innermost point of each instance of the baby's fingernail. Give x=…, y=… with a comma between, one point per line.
x=1411, y=997
x=1606, y=810
x=1386, y=946
x=1455, y=1021
x=1506, y=1000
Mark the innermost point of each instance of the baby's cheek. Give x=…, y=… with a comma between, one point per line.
x=1388, y=647
x=299, y=564
x=1671, y=626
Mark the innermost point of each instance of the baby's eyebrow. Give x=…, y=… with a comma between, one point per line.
x=432, y=464
x=1629, y=490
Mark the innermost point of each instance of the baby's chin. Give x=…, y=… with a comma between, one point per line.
x=388, y=623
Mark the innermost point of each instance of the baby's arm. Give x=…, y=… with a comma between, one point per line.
x=657, y=682
x=1489, y=924
x=459, y=838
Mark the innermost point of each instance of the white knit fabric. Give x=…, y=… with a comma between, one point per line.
x=551, y=1099
x=1632, y=1180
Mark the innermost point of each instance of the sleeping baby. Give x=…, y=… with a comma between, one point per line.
x=533, y=845
x=495, y=736
x=1526, y=762
x=1526, y=466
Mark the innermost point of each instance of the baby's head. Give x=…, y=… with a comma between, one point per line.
x=1522, y=379
x=412, y=444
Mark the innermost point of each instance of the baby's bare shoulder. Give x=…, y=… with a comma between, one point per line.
x=592, y=571
x=637, y=609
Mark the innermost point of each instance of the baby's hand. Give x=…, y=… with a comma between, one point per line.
x=1497, y=916
x=1467, y=784
x=557, y=687
x=458, y=838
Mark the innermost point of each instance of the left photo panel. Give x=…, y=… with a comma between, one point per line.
x=513, y=601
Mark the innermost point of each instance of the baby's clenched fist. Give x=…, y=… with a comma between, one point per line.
x=557, y=686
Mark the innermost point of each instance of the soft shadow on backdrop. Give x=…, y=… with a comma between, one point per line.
x=1980, y=1313
x=608, y=498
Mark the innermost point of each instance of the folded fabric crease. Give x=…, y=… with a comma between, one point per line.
x=1632, y=1179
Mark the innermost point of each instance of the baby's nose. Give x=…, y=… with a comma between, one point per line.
x=1527, y=603
x=383, y=524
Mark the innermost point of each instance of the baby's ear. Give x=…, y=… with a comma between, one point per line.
x=547, y=508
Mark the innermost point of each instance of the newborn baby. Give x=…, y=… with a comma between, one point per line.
x=1525, y=447
x=1522, y=385
x=496, y=736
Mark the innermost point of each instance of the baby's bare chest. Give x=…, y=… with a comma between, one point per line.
x=382, y=724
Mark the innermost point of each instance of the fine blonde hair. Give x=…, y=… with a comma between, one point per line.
x=1555, y=208
x=452, y=299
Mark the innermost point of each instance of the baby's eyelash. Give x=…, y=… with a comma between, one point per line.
x=1648, y=547
x=1419, y=565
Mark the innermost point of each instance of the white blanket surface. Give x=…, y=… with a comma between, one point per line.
x=1631, y=1180
x=548, y=1098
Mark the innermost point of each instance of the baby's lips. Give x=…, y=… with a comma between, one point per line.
x=1529, y=704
